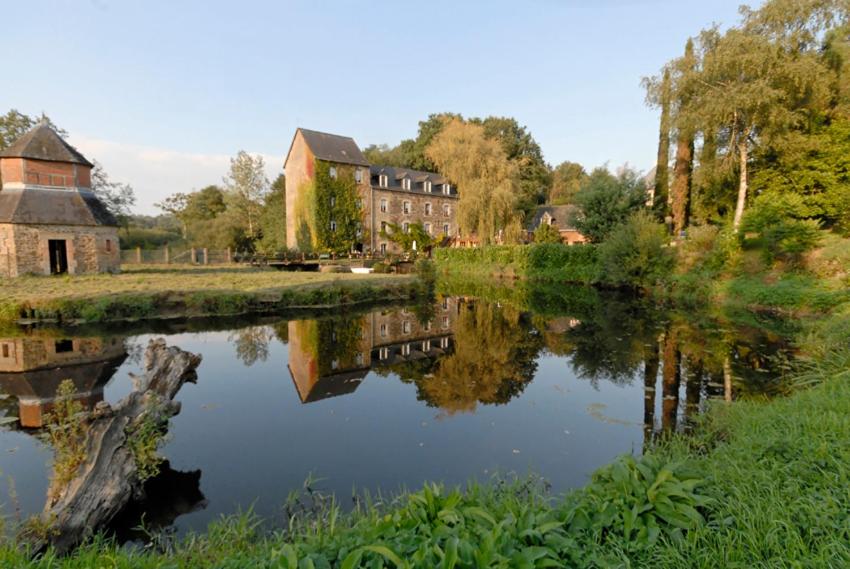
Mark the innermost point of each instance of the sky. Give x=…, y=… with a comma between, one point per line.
x=163, y=93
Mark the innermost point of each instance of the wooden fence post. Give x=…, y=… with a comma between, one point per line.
x=167, y=255
x=139, y=255
x=206, y=256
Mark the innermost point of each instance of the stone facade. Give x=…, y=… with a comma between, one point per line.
x=436, y=212
x=24, y=249
x=50, y=220
x=386, y=195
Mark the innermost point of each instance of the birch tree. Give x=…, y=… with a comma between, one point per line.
x=246, y=186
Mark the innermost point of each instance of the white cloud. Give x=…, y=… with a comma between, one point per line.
x=156, y=173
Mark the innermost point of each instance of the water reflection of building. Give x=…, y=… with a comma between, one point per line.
x=332, y=357
x=32, y=368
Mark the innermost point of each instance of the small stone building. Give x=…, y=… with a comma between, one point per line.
x=385, y=195
x=558, y=217
x=50, y=220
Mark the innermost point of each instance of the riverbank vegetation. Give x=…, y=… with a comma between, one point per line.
x=188, y=291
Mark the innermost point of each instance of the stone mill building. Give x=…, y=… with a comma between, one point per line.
x=385, y=195
x=50, y=220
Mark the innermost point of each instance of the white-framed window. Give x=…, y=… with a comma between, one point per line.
x=383, y=248
x=445, y=321
x=359, y=359
x=426, y=346
x=427, y=209
x=333, y=225
x=405, y=183
x=445, y=304
x=383, y=330
x=427, y=186
x=383, y=226
x=332, y=172
x=447, y=209
x=405, y=208
x=358, y=175
x=405, y=349
x=405, y=227
x=405, y=327
x=428, y=228
x=444, y=343
x=384, y=205
x=427, y=326
x=334, y=364
x=384, y=353
x=447, y=189
x=383, y=181
x=445, y=229
x=333, y=201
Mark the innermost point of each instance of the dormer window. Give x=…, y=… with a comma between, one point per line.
x=332, y=173
x=383, y=181
x=358, y=175
x=447, y=189
x=405, y=183
x=427, y=186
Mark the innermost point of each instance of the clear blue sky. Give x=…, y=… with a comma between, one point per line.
x=162, y=92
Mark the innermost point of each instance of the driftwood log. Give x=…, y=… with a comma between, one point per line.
x=108, y=477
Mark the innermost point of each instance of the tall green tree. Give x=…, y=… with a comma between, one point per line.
x=245, y=187
x=273, y=218
x=659, y=94
x=567, y=179
x=605, y=201
x=680, y=191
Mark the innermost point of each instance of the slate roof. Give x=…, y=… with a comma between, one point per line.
x=331, y=147
x=560, y=216
x=417, y=177
x=66, y=206
x=43, y=143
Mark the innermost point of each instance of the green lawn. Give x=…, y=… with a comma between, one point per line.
x=146, y=291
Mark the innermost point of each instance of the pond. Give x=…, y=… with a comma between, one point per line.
x=386, y=398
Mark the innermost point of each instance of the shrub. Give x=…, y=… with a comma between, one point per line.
x=635, y=253
x=782, y=235
x=545, y=233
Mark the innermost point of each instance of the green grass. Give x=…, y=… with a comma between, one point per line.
x=185, y=291
x=761, y=485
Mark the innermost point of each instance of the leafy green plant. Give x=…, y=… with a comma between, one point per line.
x=635, y=254
x=66, y=434
x=635, y=501
x=545, y=233
x=144, y=438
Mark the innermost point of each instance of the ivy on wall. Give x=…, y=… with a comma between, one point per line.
x=305, y=215
x=337, y=211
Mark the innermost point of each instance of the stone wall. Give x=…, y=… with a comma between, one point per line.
x=395, y=200
x=24, y=249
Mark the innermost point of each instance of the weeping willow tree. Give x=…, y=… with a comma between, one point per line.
x=488, y=181
x=494, y=360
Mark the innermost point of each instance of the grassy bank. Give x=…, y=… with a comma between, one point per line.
x=762, y=485
x=167, y=292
